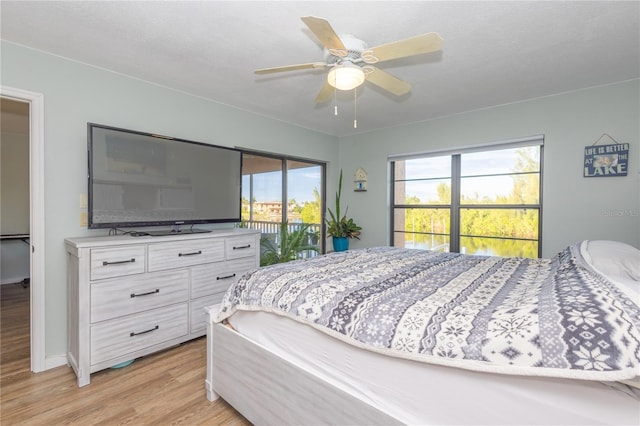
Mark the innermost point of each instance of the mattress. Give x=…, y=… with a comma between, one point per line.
x=418, y=393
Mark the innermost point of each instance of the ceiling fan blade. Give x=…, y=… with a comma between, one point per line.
x=310, y=65
x=325, y=92
x=325, y=33
x=388, y=82
x=425, y=43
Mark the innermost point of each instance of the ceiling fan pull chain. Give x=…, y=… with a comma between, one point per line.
x=355, y=108
x=335, y=101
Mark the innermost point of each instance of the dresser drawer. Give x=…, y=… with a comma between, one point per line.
x=128, y=295
x=243, y=246
x=125, y=335
x=218, y=277
x=185, y=253
x=198, y=314
x=117, y=262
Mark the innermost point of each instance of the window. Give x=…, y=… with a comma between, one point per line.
x=268, y=180
x=484, y=201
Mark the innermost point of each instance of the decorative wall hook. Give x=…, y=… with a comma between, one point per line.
x=602, y=136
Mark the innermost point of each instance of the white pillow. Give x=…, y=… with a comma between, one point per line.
x=618, y=261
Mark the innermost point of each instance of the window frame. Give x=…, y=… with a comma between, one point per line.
x=456, y=206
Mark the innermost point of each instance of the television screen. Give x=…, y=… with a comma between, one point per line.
x=141, y=179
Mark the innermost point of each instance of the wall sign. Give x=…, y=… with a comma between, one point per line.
x=606, y=160
x=360, y=180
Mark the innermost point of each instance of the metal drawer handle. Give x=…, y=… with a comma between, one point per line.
x=224, y=278
x=117, y=262
x=157, y=290
x=242, y=247
x=190, y=254
x=144, y=332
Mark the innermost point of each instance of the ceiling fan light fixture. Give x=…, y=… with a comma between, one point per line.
x=346, y=76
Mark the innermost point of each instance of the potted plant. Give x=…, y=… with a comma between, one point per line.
x=290, y=246
x=339, y=227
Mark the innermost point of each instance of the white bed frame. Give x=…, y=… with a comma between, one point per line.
x=271, y=388
x=267, y=389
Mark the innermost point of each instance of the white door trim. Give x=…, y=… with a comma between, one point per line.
x=37, y=234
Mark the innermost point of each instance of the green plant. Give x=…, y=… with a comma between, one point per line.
x=289, y=248
x=339, y=225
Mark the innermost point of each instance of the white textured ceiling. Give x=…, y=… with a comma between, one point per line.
x=494, y=52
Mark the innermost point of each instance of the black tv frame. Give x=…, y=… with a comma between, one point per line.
x=175, y=225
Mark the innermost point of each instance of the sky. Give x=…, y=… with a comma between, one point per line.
x=300, y=185
x=472, y=164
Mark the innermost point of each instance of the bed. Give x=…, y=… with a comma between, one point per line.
x=397, y=336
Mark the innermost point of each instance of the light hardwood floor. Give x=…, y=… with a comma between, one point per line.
x=164, y=388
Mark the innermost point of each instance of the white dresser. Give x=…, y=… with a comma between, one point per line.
x=131, y=296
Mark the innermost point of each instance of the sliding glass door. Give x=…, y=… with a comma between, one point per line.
x=276, y=189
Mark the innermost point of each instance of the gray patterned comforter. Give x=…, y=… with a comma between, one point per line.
x=545, y=317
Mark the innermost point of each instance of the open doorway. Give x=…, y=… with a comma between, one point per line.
x=21, y=108
x=15, y=245
x=14, y=192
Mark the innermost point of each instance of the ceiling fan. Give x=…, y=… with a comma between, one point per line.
x=350, y=60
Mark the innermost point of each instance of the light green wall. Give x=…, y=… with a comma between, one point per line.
x=575, y=208
x=14, y=180
x=75, y=94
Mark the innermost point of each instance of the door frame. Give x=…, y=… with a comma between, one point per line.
x=36, y=221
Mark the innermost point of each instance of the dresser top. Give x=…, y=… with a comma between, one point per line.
x=117, y=240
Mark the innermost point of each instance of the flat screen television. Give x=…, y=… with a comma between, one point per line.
x=140, y=179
